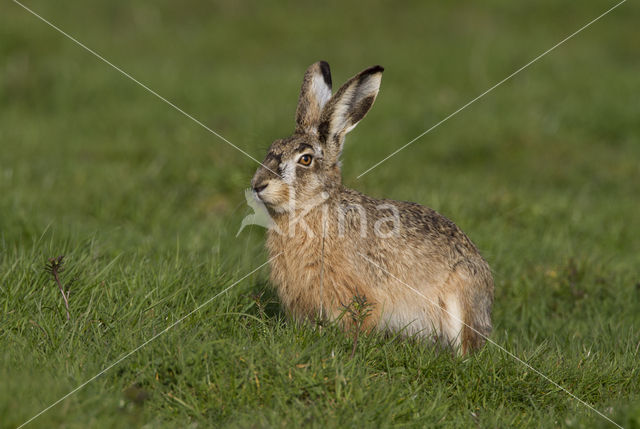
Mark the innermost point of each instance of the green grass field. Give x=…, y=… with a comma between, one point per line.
x=543, y=174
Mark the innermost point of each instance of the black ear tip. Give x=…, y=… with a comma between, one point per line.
x=326, y=72
x=371, y=71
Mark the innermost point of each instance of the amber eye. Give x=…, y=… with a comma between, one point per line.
x=305, y=160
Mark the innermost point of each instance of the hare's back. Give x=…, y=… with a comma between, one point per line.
x=409, y=225
x=422, y=224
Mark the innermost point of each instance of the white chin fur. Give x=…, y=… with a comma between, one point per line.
x=273, y=205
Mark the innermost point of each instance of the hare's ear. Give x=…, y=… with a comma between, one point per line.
x=347, y=107
x=314, y=94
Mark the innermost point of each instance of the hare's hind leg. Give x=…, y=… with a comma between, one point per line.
x=457, y=326
x=465, y=310
x=452, y=320
x=477, y=320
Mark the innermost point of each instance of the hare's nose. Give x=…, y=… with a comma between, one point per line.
x=258, y=188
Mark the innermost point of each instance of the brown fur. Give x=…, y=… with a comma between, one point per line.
x=329, y=255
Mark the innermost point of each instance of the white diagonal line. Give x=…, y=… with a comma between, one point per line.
x=103, y=59
x=490, y=89
x=453, y=316
x=126, y=355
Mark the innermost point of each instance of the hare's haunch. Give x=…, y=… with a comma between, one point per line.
x=418, y=272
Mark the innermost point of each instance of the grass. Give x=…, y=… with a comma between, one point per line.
x=144, y=205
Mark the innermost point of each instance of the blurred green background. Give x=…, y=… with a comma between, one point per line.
x=543, y=174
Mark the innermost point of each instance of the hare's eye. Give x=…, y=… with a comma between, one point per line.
x=305, y=160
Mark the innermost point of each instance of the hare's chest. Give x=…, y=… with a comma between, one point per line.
x=297, y=272
x=296, y=258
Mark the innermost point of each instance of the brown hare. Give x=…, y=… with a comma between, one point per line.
x=418, y=271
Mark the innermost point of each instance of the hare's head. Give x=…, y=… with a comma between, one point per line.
x=299, y=168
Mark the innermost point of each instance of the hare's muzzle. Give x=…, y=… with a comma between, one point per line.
x=260, y=187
